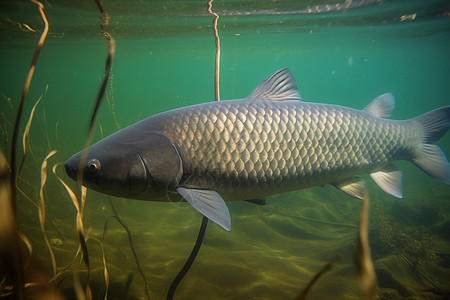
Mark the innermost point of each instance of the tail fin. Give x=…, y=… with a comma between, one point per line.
x=432, y=159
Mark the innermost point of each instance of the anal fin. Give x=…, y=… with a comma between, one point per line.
x=389, y=180
x=209, y=203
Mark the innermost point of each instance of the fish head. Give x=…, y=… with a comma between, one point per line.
x=125, y=165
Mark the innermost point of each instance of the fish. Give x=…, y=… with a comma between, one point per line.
x=268, y=143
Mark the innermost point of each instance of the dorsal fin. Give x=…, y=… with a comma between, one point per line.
x=278, y=87
x=382, y=106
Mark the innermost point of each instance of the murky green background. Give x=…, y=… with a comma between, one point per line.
x=165, y=59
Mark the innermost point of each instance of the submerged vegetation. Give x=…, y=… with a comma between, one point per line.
x=415, y=245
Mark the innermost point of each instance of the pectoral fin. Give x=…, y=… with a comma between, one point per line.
x=209, y=203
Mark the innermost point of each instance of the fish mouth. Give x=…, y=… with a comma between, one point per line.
x=71, y=166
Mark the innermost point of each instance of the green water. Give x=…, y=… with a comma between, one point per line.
x=165, y=59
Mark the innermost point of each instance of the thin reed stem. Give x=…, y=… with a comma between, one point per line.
x=18, y=276
x=101, y=93
x=190, y=260
x=23, y=97
x=100, y=97
x=130, y=240
x=202, y=230
x=105, y=268
x=363, y=260
x=79, y=206
x=316, y=277
x=108, y=64
x=27, y=132
x=217, y=60
x=42, y=209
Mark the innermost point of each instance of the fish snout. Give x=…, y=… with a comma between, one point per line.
x=71, y=166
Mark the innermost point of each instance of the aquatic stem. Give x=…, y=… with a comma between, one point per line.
x=42, y=209
x=190, y=260
x=105, y=268
x=100, y=97
x=108, y=65
x=201, y=233
x=16, y=258
x=363, y=260
x=105, y=272
x=217, y=61
x=79, y=206
x=130, y=240
x=316, y=277
x=101, y=93
x=23, y=97
x=27, y=131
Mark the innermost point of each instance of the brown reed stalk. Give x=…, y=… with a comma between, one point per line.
x=82, y=240
x=72, y=195
x=16, y=258
x=105, y=268
x=105, y=271
x=101, y=94
x=217, y=60
x=100, y=97
x=79, y=291
x=363, y=260
x=42, y=209
x=65, y=269
x=79, y=206
x=26, y=132
x=202, y=229
x=108, y=64
x=22, y=103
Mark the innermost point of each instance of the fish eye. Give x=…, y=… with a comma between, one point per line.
x=93, y=165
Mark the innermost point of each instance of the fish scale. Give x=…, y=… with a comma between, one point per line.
x=280, y=145
x=267, y=143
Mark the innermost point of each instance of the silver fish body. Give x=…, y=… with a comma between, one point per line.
x=252, y=148
x=268, y=143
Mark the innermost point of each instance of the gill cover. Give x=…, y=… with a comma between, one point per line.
x=162, y=162
x=164, y=169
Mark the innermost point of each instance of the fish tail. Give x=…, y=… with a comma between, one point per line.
x=430, y=158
